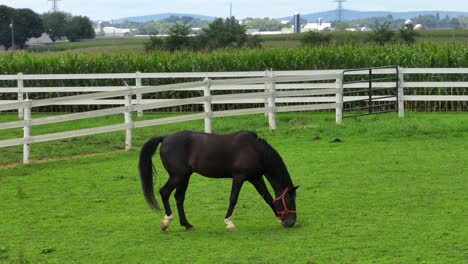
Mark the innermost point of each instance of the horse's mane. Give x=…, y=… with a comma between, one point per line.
x=273, y=163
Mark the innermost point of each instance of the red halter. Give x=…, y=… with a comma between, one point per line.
x=285, y=207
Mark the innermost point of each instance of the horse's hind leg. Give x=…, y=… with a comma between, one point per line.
x=180, y=198
x=165, y=192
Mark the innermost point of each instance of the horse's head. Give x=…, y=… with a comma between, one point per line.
x=285, y=206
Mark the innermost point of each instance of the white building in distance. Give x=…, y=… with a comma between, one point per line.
x=319, y=26
x=110, y=31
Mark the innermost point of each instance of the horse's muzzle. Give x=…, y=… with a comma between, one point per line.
x=288, y=222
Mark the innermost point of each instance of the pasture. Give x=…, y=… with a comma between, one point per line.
x=392, y=191
x=136, y=44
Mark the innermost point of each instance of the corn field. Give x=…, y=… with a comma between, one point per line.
x=422, y=55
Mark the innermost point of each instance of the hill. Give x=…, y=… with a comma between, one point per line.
x=158, y=17
x=326, y=15
x=353, y=15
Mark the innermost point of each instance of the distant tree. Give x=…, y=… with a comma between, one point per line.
x=341, y=26
x=253, y=42
x=445, y=22
x=150, y=29
x=407, y=35
x=171, y=19
x=6, y=14
x=264, y=24
x=464, y=21
x=217, y=35
x=375, y=22
x=383, y=34
x=26, y=24
x=223, y=34
x=398, y=23
x=156, y=28
x=429, y=21
x=312, y=38
x=154, y=43
x=79, y=27
x=178, y=38
x=55, y=24
x=188, y=20
x=129, y=24
x=454, y=23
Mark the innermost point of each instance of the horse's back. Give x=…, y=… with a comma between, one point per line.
x=212, y=155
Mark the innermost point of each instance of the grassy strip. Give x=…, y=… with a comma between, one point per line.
x=319, y=124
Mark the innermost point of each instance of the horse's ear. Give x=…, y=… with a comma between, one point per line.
x=295, y=188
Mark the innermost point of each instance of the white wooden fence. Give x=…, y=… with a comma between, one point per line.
x=307, y=90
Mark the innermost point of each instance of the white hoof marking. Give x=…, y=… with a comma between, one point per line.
x=230, y=225
x=166, y=221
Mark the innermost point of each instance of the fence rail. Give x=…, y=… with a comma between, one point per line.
x=281, y=91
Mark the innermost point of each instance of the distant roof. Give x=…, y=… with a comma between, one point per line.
x=317, y=26
x=113, y=30
x=43, y=39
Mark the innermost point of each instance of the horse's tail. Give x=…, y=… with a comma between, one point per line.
x=146, y=170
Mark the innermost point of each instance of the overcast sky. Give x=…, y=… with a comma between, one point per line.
x=111, y=9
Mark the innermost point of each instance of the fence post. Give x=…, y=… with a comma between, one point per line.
x=401, y=94
x=207, y=105
x=339, y=99
x=139, y=96
x=128, y=120
x=266, y=90
x=20, y=93
x=26, y=132
x=271, y=102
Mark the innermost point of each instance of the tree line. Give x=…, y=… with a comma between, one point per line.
x=163, y=27
x=428, y=21
x=219, y=34
x=382, y=35
x=19, y=25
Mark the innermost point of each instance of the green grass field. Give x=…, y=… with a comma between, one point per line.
x=393, y=191
x=136, y=44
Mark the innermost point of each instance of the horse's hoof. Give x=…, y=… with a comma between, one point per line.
x=231, y=229
x=189, y=228
x=163, y=226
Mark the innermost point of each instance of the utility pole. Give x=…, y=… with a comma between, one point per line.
x=12, y=35
x=54, y=5
x=340, y=10
x=230, y=17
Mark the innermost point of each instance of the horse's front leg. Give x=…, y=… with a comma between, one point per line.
x=262, y=189
x=237, y=183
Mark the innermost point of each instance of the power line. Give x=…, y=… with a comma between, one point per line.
x=340, y=10
x=54, y=5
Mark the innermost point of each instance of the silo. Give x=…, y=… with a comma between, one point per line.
x=297, y=23
x=100, y=27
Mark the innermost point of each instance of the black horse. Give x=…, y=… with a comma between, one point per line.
x=242, y=156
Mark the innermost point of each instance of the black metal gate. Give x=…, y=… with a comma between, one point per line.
x=367, y=92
